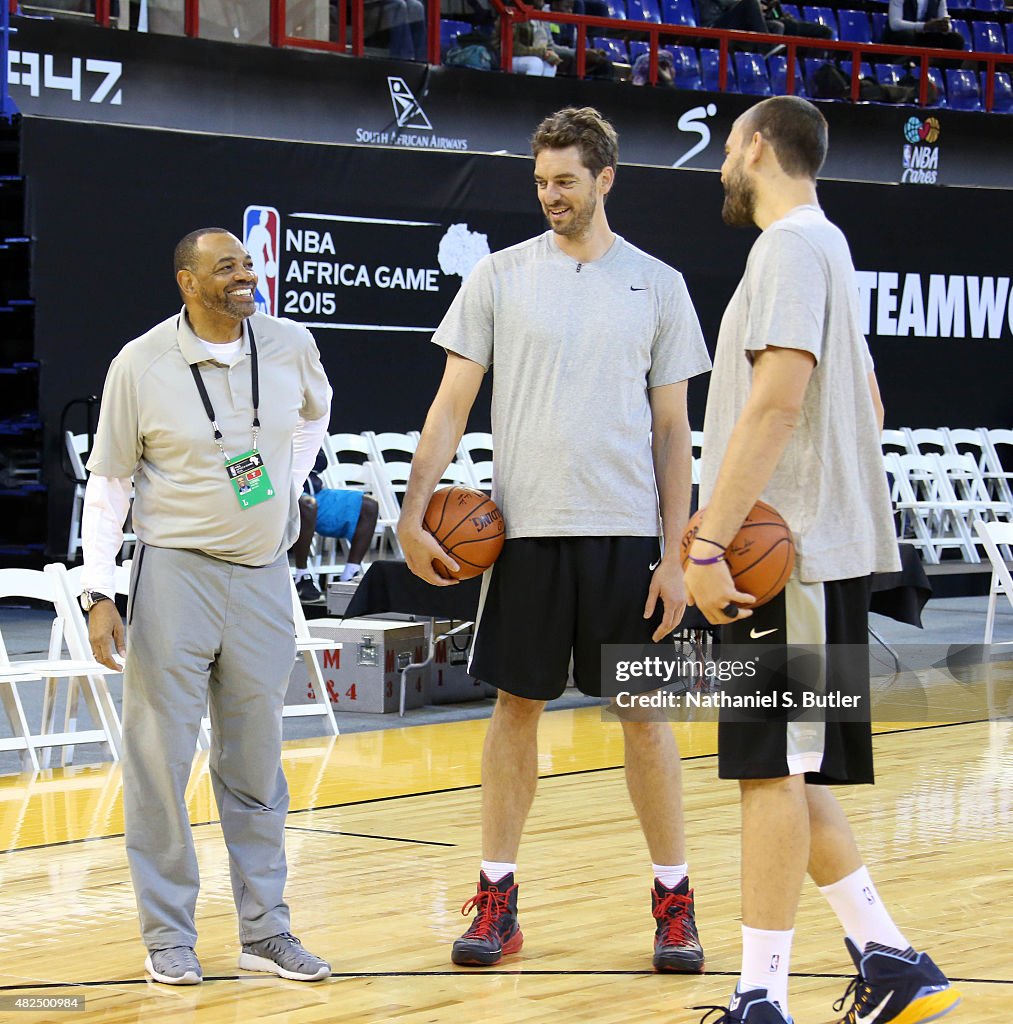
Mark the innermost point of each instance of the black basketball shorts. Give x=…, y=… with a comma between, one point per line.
x=549, y=598
x=830, y=746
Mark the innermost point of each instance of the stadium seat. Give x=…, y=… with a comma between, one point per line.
x=616, y=9
x=936, y=77
x=961, y=27
x=791, y=11
x=864, y=69
x=960, y=5
x=1002, y=100
x=879, y=22
x=987, y=37
x=990, y=5
x=751, y=72
x=709, y=71
x=449, y=31
x=962, y=89
x=687, y=67
x=777, y=68
x=638, y=47
x=643, y=10
x=678, y=12
x=615, y=49
x=854, y=26
x=821, y=16
x=889, y=74
x=1009, y=37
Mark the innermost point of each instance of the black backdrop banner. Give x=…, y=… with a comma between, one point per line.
x=368, y=246
x=64, y=69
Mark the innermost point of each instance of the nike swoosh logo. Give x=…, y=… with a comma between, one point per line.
x=874, y=1016
x=632, y=289
x=756, y=634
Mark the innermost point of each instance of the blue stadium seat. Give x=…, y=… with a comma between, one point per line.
x=854, y=26
x=643, y=10
x=879, y=23
x=822, y=16
x=1009, y=37
x=958, y=5
x=709, y=71
x=990, y=5
x=641, y=46
x=889, y=74
x=778, y=70
x=615, y=49
x=962, y=89
x=616, y=9
x=961, y=26
x=864, y=69
x=791, y=11
x=987, y=36
x=678, y=12
x=449, y=31
x=687, y=67
x=751, y=72
x=1002, y=101
x=936, y=77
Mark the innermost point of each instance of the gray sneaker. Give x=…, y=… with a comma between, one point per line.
x=285, y=956
x=175, y=966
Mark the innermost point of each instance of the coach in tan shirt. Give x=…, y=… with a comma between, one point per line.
x=217, y=414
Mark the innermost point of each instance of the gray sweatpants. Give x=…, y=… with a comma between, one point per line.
x=202, y=631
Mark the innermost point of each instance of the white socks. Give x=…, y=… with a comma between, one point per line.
x=670, y=875
x=495, y=870
x=349, y=571
x=863, y=917
x=766, y=957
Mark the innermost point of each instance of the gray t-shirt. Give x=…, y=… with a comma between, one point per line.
x=575, y=348
x=799, y=291
x=153, y=427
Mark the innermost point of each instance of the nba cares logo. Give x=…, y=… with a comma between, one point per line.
x=261, y=228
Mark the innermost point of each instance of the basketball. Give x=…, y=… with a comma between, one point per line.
x=761, y=556
x=469, y=526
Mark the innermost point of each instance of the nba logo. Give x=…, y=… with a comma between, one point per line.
x=907, y=155
x=260, y=236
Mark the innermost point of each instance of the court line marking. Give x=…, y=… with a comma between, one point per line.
x=365, y=835
x=460, y=789
x=478, y=973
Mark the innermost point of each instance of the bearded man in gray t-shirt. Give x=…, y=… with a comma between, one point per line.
x=593, y=342
x=794, y=416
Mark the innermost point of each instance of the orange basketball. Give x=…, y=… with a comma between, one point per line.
x=469, y=526
x=761, y=556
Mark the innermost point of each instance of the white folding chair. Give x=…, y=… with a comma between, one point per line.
x=965, y=441
x=69, y=589
x=696, y=443
x=43, y=587
x=895, y=441
x=77, y=446
x=992, y=535
x=307, y=645
x=999, y=443
x=926, y=440
x=927, y=520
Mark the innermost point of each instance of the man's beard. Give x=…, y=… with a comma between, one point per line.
x=740, y=200
x=227, y=306
x=580, y=220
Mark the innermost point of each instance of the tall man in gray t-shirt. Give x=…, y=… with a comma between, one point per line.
x=793, y=416
x=593, y=343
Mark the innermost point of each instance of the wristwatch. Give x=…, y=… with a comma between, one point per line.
x=90, y=598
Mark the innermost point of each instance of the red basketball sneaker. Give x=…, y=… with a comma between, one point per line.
x=494, y=933
x=676, y=942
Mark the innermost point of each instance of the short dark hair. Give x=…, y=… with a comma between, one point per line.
x=796, y=131
x=584, y=128
x=185, y=255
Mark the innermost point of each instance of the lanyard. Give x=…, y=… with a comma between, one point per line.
x=209, y=408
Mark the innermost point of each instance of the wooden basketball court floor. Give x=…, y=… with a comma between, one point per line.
x=383, y=845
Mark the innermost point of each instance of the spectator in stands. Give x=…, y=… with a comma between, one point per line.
x=564, y=42
x=742, y=15
x=332, y=513
x=534, y=53
x=777, y=21
x=642, y=67
x=404, y=21
x=922, y=23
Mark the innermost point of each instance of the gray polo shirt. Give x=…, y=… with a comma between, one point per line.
x=153, y=426
x=799, y=292
x=575, y=349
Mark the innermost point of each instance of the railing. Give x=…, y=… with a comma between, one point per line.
x=351, y=16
